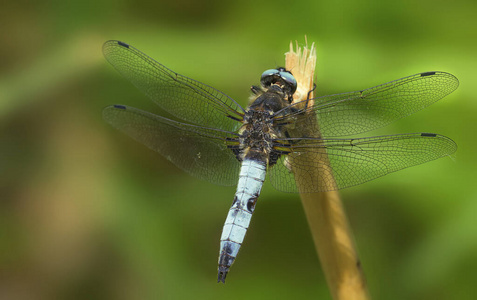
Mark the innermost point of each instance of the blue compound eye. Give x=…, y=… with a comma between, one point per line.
x=279, y=76
x=268, y=75
x=289, y=80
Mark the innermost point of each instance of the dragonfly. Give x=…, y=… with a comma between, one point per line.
x=300, y=146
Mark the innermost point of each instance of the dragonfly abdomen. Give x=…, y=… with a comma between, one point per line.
x=252, y=175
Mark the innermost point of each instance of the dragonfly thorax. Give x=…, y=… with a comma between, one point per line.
x=256, y=135
x=271, y=99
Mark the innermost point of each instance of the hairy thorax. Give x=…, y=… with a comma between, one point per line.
x=257, y=131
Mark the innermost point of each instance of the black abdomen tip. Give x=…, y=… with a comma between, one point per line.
x=222, y=274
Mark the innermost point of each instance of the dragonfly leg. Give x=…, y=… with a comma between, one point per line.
x=309, y=95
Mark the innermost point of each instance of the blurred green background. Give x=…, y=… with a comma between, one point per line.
x=87, y=213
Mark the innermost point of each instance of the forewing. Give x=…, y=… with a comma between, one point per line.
x=181, y=96
x=201, y=152
x=320, y=165
x=372, y=108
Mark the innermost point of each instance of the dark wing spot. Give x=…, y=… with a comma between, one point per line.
x=120, y=106
x=123, y=44
x=429, y=134
x=427, y=73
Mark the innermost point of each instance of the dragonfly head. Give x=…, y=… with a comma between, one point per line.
x=281, y=77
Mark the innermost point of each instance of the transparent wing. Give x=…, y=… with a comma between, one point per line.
x=318, y=165
x=365, y=110
x=181, y=96
x=202, y=152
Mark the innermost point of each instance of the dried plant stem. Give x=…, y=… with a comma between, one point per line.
x=335, y=245
x=324, y=211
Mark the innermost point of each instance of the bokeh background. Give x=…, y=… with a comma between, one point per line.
x=87, y=213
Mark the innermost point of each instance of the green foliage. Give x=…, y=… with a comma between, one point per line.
x=88, y=213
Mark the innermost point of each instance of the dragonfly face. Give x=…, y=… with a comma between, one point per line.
x=294, y=144
x=282, y=78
